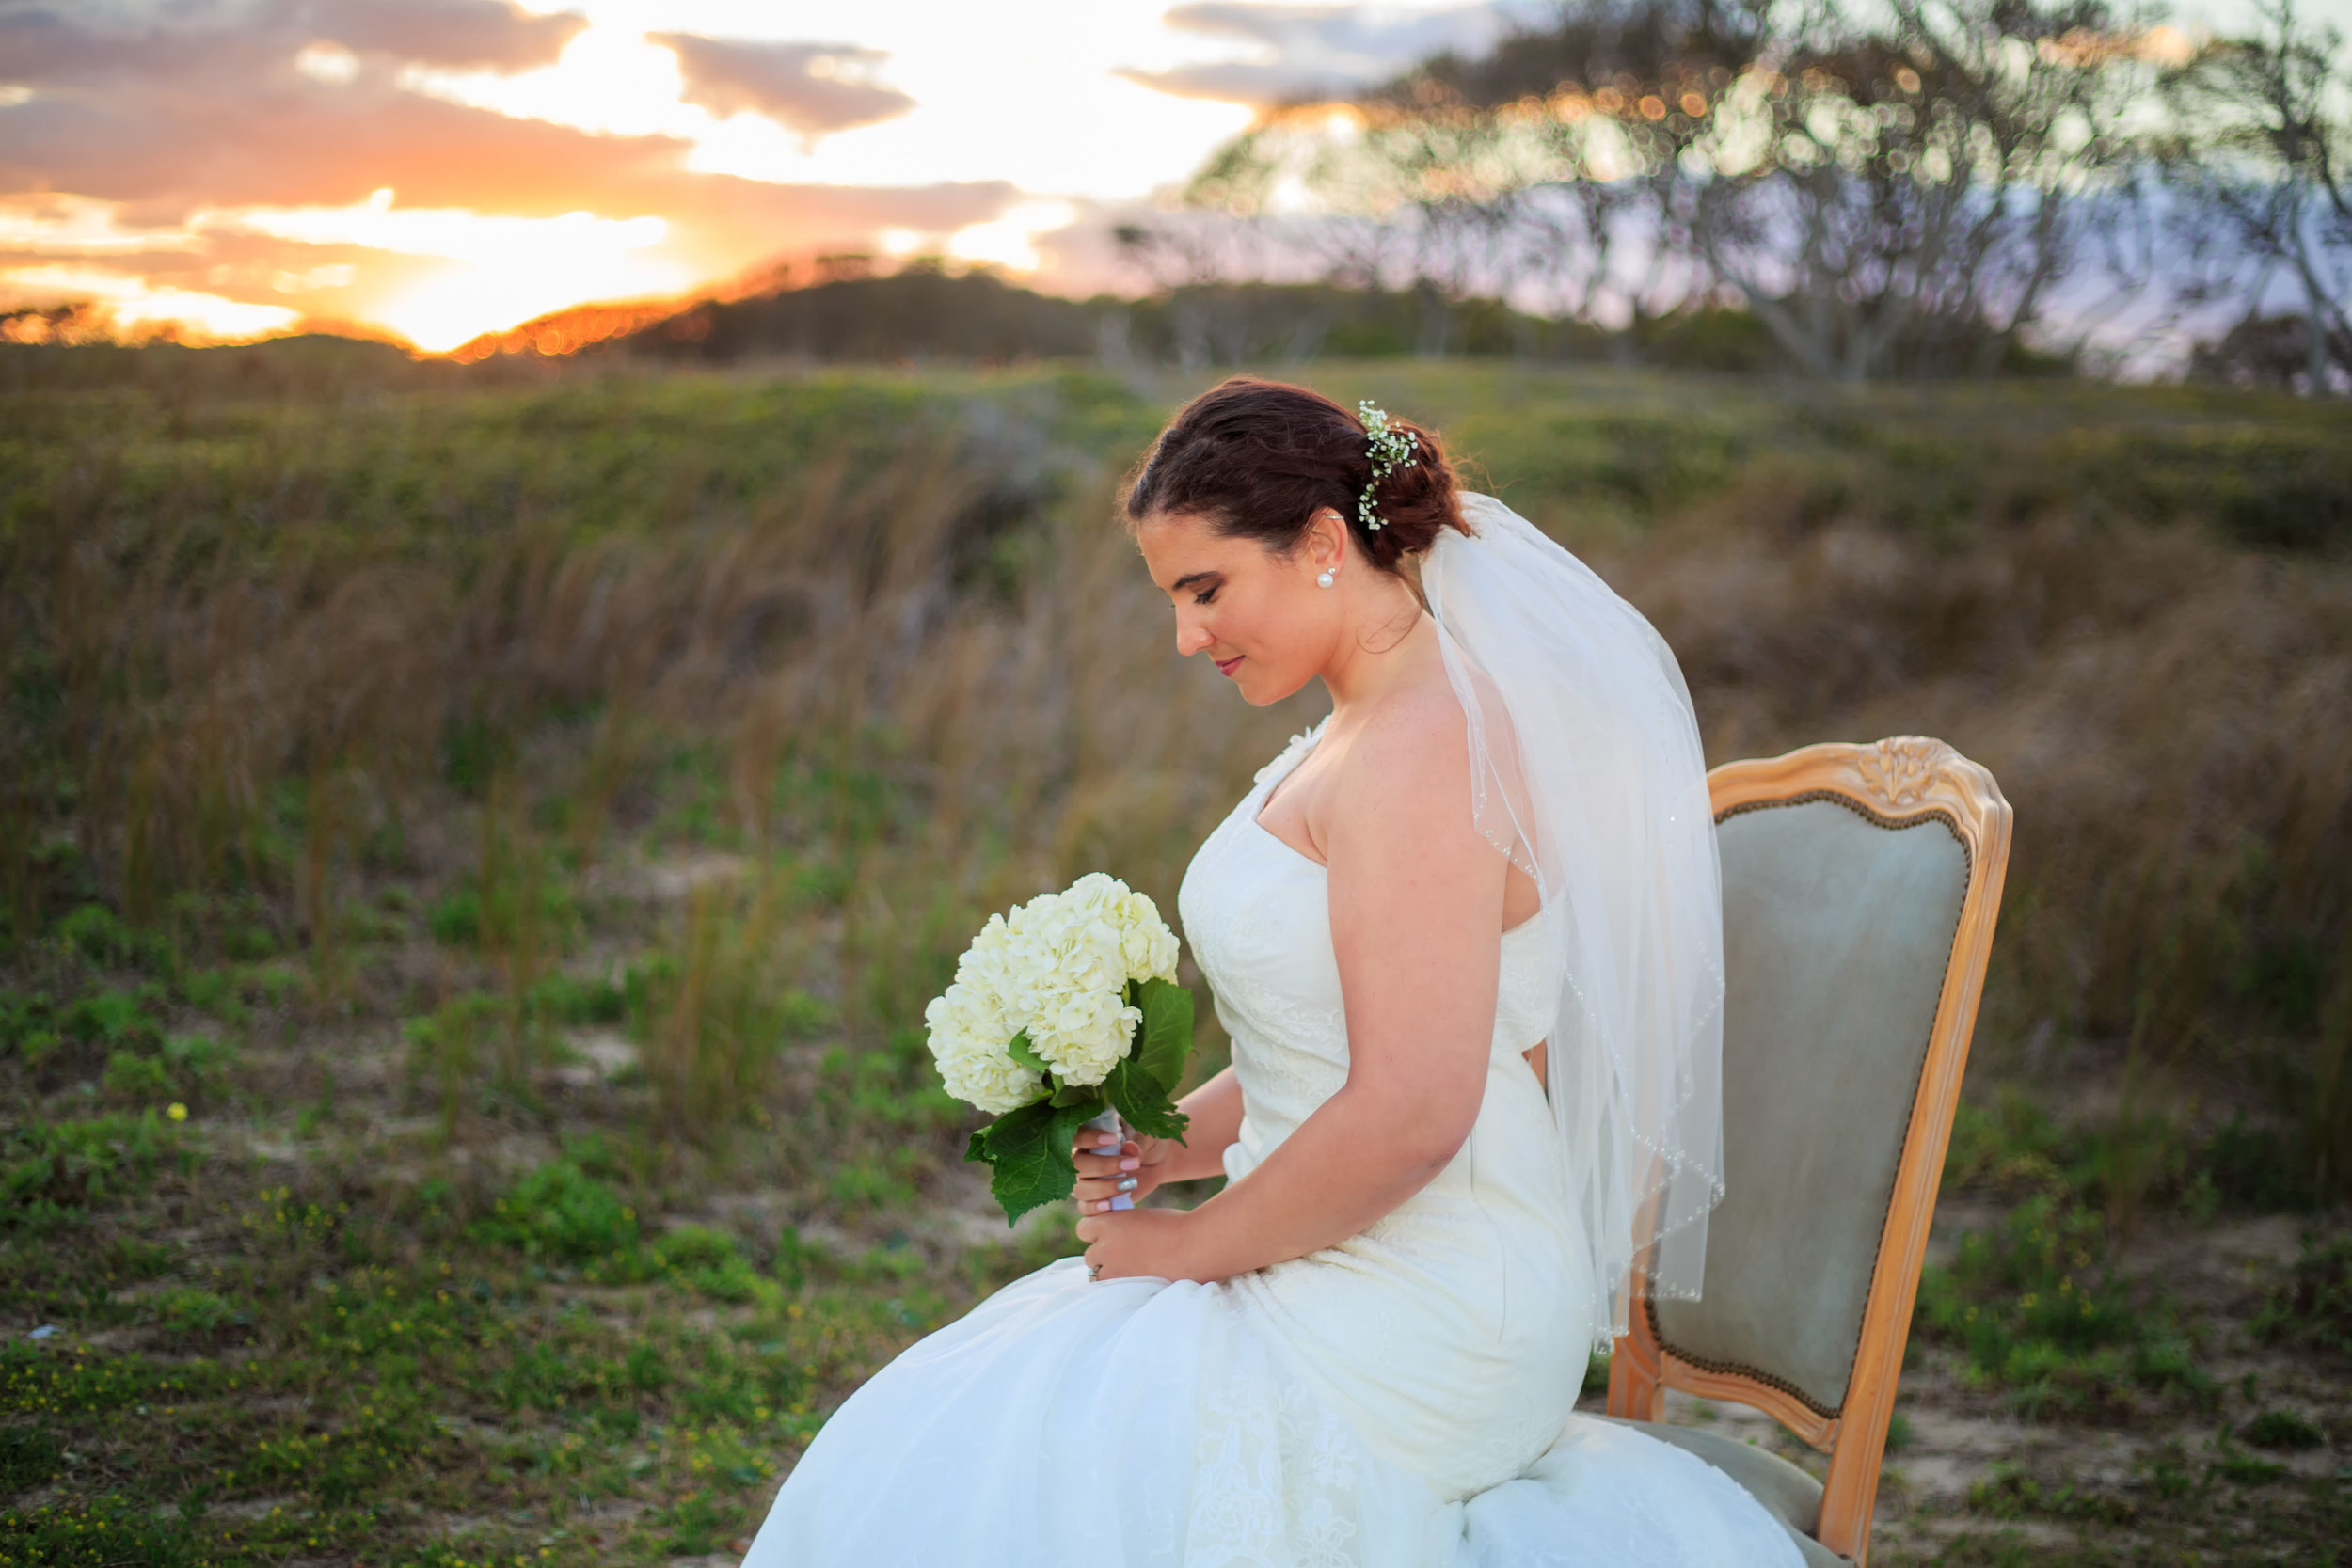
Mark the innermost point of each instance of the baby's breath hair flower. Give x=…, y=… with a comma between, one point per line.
x=1388, y=447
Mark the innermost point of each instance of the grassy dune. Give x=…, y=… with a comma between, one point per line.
x=518, y=827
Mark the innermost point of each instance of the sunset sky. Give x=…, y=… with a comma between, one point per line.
x=439, y=169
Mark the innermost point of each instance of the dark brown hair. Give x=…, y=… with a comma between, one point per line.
x=1257, y=458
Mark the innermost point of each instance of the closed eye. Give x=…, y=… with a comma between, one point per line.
x=1206, y=596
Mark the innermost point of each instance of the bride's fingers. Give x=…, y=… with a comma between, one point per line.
x=1095, y=1198
x=1107, y=1164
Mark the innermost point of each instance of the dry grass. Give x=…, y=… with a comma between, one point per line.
x=422, y=742
x=2169, y=716
x=250, y=640
x=249, y=637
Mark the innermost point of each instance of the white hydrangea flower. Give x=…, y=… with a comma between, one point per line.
x=1084, y=1034
x=968, y=1033
x=1148, y=944
x=1147, y=947
x=1057, y=967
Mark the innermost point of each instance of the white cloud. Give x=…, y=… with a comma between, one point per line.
x=330, y=64
x=1310, y=50
x=1028, y=94
x=454, y=232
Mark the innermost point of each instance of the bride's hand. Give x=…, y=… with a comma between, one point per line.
x=1139, y=1162
x=1128, y=1242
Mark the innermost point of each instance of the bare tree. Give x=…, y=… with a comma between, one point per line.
x=1896, y=194
x=2259, y=153
x=1585, y=153
x=1382, y=199
x=1176, y=250
x=1185, y=255
x=1902, y=196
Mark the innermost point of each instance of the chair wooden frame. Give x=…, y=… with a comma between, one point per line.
x=1897, y=782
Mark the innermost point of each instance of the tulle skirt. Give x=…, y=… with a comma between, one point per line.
x=1144, y=1423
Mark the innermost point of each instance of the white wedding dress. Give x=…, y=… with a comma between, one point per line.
x=1402, y=1399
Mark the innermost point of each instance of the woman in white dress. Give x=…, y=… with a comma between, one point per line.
x=1489, y=869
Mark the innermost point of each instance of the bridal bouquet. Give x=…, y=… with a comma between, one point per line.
x=1064, y=1013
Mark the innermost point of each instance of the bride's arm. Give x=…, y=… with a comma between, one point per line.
x=1215, y=1110
x=1416, y=902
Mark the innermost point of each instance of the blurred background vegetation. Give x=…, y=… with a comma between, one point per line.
x=517, y=828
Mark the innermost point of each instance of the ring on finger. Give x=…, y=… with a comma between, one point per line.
x=1127, y=1185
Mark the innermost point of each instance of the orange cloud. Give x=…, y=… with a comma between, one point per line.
x=227, y=150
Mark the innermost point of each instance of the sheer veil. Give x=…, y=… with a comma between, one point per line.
x=1587, y=771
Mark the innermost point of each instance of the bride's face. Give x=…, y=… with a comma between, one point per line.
x=1262, y=617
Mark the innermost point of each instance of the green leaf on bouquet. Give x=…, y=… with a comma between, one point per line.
x=1165, y=1034
x=1143, y=1101
x=1080, y=1094
x=1020, y=1051
x=1028, y=1152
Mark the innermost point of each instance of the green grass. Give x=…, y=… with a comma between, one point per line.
x=2038, y=1313
x=520, y=826
x=362, y=1361
x=2313, y=1305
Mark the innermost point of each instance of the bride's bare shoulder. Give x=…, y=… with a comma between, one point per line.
x=1411, y=759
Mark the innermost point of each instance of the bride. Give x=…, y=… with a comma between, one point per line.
x=1465, y=935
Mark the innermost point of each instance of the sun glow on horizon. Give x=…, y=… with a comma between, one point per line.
x=494, y=270
x=1010, y=240
x=1014, y=130
x=456, y=232
x=135, y=309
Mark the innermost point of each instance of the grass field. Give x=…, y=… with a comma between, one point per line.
x=474, y=855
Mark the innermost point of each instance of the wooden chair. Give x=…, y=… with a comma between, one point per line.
x=1860, y=888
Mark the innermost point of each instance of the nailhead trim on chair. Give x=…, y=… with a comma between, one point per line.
x=1735, y=1369
x=1649, y=1304
x=1875, y=818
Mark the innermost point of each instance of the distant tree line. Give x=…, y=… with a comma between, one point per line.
x=1923, y=187
x=923, y=310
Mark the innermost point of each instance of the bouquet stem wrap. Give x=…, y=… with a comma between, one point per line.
x=1108, y=1123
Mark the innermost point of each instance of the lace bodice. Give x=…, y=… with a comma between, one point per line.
x=1256, y=913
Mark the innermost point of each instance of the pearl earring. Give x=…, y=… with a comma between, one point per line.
x=1324, y=577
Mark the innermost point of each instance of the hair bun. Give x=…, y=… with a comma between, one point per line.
x=1262, y=457
x=1415, y=500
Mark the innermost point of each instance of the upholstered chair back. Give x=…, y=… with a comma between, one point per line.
x=1860, y=885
